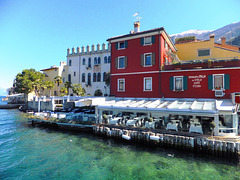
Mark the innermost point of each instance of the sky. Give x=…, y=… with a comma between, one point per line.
x=36, y=33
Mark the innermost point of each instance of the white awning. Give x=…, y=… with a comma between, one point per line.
x=169, y=105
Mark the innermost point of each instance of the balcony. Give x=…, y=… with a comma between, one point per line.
x=204, y=64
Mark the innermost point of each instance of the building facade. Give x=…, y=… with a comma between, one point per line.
x=51, y=73
x=196, y=50
x=89, y=68
x=137, y=60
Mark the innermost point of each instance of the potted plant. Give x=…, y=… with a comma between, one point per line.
x=212, y=125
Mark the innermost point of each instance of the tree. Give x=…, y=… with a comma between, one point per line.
x=77, y=89
x=68, y=85
x=49, y=85
x=63, y=91
x=27, y=81
x=98, y=92
x=58, y=80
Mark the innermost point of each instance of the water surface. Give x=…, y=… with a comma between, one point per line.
x=41, y=153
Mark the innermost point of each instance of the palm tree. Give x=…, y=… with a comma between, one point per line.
x=58, y=80
x=50, y=85
x=68, y=85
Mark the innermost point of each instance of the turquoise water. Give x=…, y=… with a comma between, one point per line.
x=41, y=153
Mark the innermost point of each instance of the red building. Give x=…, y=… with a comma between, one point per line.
x=137, y=60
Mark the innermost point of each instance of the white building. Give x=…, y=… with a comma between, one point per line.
x=89, y=68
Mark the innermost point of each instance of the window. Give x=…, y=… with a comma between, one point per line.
x=89, y=79
x=99, y=77
x=70, y=62
x=95, y=61
x=147, y=59
x=63, y=79
x=74, y=73
x=121, y=45
x=147, y=40
x=178, y=83
x=109, y=59
x=55, y=93
x=83, y=61
x=203, y=52
x=121, y=62
x=99, y=60
x=89, y=62
x=105, y=60
x=219, y=82
x=69, y=78
x=83, y=77
x=147, y=84
x=104, y=76
x=165, y=45
x=94, y=77
x=121, y=84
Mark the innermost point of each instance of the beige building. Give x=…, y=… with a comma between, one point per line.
x=50, y=74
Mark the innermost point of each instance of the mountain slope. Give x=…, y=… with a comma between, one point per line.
x=231, y=32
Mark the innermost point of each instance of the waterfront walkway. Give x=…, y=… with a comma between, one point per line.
x=10, y=106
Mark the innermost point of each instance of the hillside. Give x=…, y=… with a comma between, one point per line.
x=231, y=32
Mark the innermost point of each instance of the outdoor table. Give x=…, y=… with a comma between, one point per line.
x=171, y=126
x=196, y=129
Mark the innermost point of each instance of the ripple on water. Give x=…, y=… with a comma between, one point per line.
x=38, y=153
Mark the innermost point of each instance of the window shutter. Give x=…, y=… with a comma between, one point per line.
x=227, y=81
x=171, y=83
x=142, y=59
x=153, y=39
x=116, y=45
x=185, y=83
x=153, y=58
x=126, y=44
x=142, y=41
x=116, y=63
x=210, y=82
x=126, y=63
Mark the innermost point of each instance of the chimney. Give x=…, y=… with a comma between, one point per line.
x=136, y=27
x=211, y=36
x=223, y=40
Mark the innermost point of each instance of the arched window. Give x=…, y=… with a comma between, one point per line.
x=99, y=60
x=70, y=62
x=94, y=77
x=83, y=77
x=95, y=60
x=89, y=79
x=105, y=60
x=83, y=61
x=109, y=59
x=69, y=78
x=104, y=76
x=89, y=63
x=99, y=77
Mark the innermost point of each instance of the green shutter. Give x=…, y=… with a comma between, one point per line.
x=142, y=59
x=126, y=63
x=185, y=83
x=142, y=41
x=227, y=81
x=126, y=44
x=210, y=82
x=153, y=59
x=171, y=83
x=153, y=39
x=116, y=45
